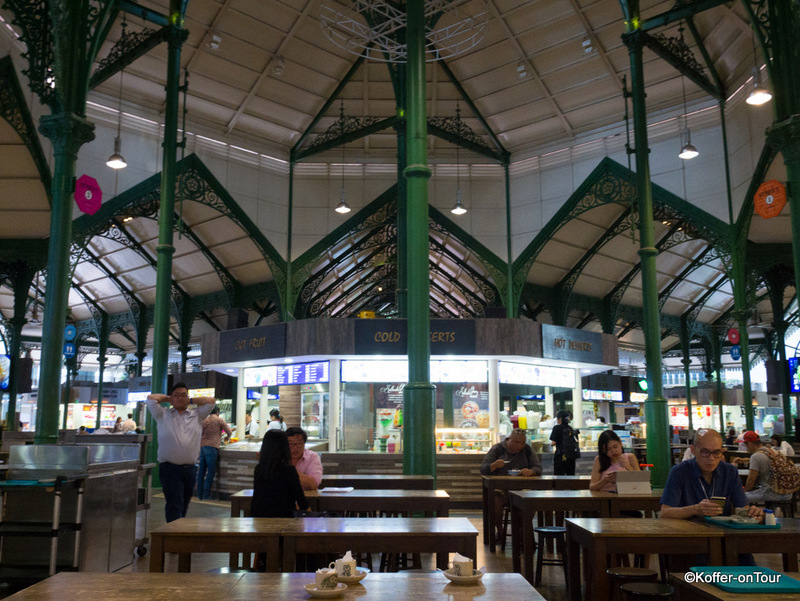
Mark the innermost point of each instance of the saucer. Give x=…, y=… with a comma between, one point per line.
x=360, y=574
x=474, y=579
x=325, y=593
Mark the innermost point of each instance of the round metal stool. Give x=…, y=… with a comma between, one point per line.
x=624, y=575
x=647, y=591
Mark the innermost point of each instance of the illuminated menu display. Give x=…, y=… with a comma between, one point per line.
x=286, y=375
x=397, y=371
x=602, y=395
x=535, y=375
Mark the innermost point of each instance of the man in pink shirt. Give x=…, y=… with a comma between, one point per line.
x=308, y=463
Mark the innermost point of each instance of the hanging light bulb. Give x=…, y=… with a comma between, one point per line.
x=342, y=208
x=116, y=160
x=688, y=151
x=458, y=208
x=759, y=95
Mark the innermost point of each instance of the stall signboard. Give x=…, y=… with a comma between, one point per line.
x=248, y=344
x=138, y=397
x=569, y=344
x=442, y=371
x=317, y=372
x=535, y=375
x=794, y=376
x=5, y=371
x=602, y=395
x=195, y=393
x=390, y=337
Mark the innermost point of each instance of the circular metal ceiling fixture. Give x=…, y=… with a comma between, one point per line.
x=375, y=29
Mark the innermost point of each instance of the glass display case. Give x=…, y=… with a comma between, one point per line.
x=314, y=417
x=464, y=440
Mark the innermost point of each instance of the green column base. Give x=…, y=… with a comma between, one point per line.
x=419, y=436
x=658, y=441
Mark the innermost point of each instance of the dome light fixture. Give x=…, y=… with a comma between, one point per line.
x=458, y=208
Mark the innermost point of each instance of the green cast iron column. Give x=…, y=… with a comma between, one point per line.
x=511, y=309
x=739, y=282
x=658, y=451
x=22, y=284
x=67, y=132
x=166, y=221
x=103, y=347
x=785, y=136
x=288, y=302
x=401, y=257
x=419, y=394
x=686, y=345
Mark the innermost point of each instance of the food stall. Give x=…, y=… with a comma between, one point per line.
x=343, y=381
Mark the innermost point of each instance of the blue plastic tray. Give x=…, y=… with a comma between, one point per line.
x=743, y=579
x=740, y=526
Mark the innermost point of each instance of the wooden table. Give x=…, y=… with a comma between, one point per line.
x=600, y=537
x=494, y=483
x=217, y=535
x=392, y=501
x=381, y=481
x=269, y=587
x=647, y=502
x=708, y=592
x=525, y=504
x=784, y=540
x=378, y=535
x=131, y=586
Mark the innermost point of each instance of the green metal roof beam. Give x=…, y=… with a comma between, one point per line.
x=346, y=138
x=682, y=10
x=331, y=99
x=151, y=16
x=503, y=154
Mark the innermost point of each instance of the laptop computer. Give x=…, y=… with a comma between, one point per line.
x=633, y=483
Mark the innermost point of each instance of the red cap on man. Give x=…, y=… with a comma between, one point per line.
x=750, y=436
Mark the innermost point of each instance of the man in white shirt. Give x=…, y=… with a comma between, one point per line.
x=128, y=424
x=179, y=430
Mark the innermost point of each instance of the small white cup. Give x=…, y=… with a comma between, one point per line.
x=344, y=568
x=326, y=579
x=461, y=568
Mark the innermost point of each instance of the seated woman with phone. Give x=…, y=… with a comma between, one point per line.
x=610, y=460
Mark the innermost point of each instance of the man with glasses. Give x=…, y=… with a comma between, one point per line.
x=705, y=485
x=307, y=463
x=179, y=431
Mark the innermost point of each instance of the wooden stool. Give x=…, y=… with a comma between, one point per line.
x=624, y=575
x=558, y=534
x=647, y=591
x=786, y=507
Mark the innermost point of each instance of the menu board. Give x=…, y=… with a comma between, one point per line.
x=535, y=375
x=285, y=375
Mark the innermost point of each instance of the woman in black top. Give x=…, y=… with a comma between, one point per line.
x=562, y=465
x=276, y=485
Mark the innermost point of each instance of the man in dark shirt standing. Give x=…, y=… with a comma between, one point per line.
x=512, y=454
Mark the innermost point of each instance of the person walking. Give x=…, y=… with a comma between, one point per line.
x=179, y=429
x=210, y=440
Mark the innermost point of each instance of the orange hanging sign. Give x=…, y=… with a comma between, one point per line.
x=769, y=199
